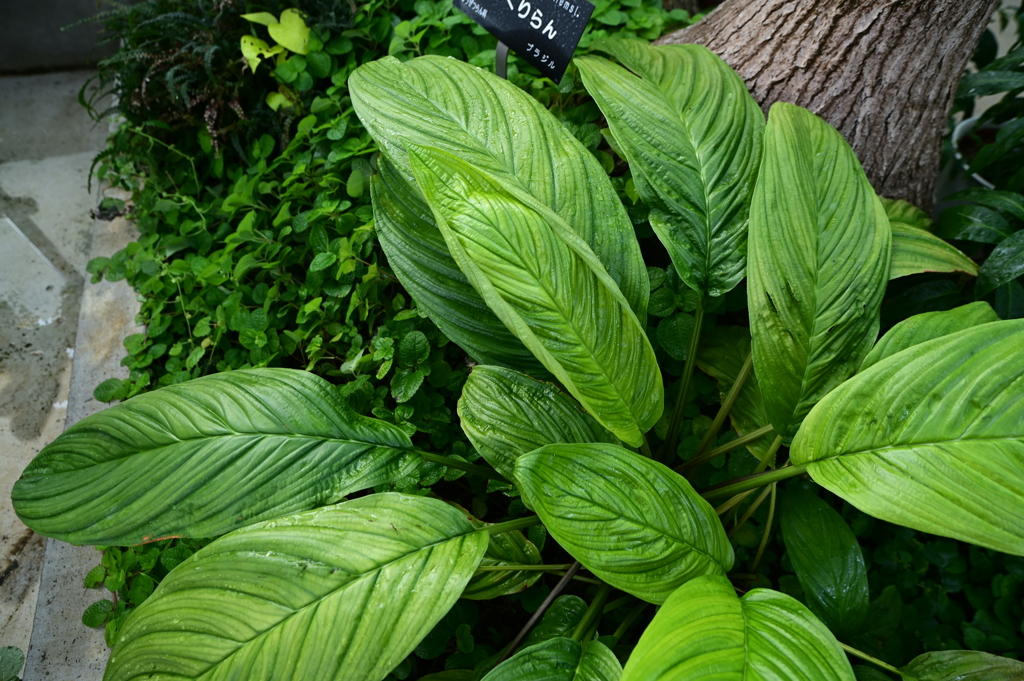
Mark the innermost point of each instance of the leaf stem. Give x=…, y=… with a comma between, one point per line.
x=727, y=405
x=562, y=583
x=753, y=482
x=509, y=525
x=672, y=437
x=645, y=449
x=470, y=468
x=628, y=622
x=729, y=505
x=769, y=456
x=873, y=660
x=509, y=567
x=750, y=511
x=726, y=448
x=767, y=530
x=593, y=614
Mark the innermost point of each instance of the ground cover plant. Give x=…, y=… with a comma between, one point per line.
x=530, y=262
x=257, y=246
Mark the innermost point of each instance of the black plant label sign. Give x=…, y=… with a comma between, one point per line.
x=543, y=32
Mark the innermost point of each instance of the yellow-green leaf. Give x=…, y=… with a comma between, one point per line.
x=818, y=264
x=343, y=592
x=549, y=289
x=931, y=437
x=631, y=521
x=692, y=135
x=704, y=631
x=291, y=31
x=926, y=326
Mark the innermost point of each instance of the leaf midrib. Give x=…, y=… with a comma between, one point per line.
x=129, y=453
x=937, y=443
x=375, y=573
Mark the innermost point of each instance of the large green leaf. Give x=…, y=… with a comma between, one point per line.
x=926, y=326
x=507, y=548
x=560, y=619
x=963, y=665
x=419, y=257
x=547, y=286
x=705, y=632
x=495, y=126
x=827, y=560
x=692, y=135
x=631, y=521
x=1003, y=265
x=339, y=593
x=915, y=251
x=722, y=353
x=206, y=457
x=559, y=659
x=818, y=264
x=931, y=437
x=506, y=414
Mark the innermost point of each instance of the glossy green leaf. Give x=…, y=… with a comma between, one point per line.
x=547, y=286
x=926, y=326
x=723, y=350
x=559, y=659
x=560, y=619
x=495, y=126
x=818, y=264
x=506, y=414
x=205, y=457
x=704, y=631
x=905, y=213
x=973, y=223
x=692, y=135
x=1003, y=265
x=915, y=251
x=343, y=592
x=827, y=560
x=931, y=437
x=963, y=665
x=1008, y=202
x=631, y=521
x=507, y=548
x=420, y=258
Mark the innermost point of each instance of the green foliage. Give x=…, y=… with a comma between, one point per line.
x=11, y=662
x=596, y=521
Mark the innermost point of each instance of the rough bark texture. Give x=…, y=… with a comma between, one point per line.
x=882, y=72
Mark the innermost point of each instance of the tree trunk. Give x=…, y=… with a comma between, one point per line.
x=883, y=73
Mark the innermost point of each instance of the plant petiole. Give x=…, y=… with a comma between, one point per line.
x=561, y=567
x=593, y=614
x=473, y=469
x=726, y=448
x=750, y=511
x=767, y=530
x=562, y=583
x=873, y=660
x=628, y=622
x=727, y=405
x=753, y=481
x=769, y=456
x=672, y=437
x=509, y=525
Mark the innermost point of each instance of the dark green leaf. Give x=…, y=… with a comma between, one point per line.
x=559, y=659
x=1008, y=202
x=985, y=83
x=507, y=548
x=973, y=223
x=674, y=334
x=11, y=662
x=97, y=613
x=827, y=560
x=560, y=619
x=963, y=665
x=1004, y=264
x=110, y=390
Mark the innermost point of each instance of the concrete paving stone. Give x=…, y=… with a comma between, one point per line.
x=40, y=117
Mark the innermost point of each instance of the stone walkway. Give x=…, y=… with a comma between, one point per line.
x=47, y=143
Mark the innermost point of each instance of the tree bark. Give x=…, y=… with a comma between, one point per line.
x=883, y=73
